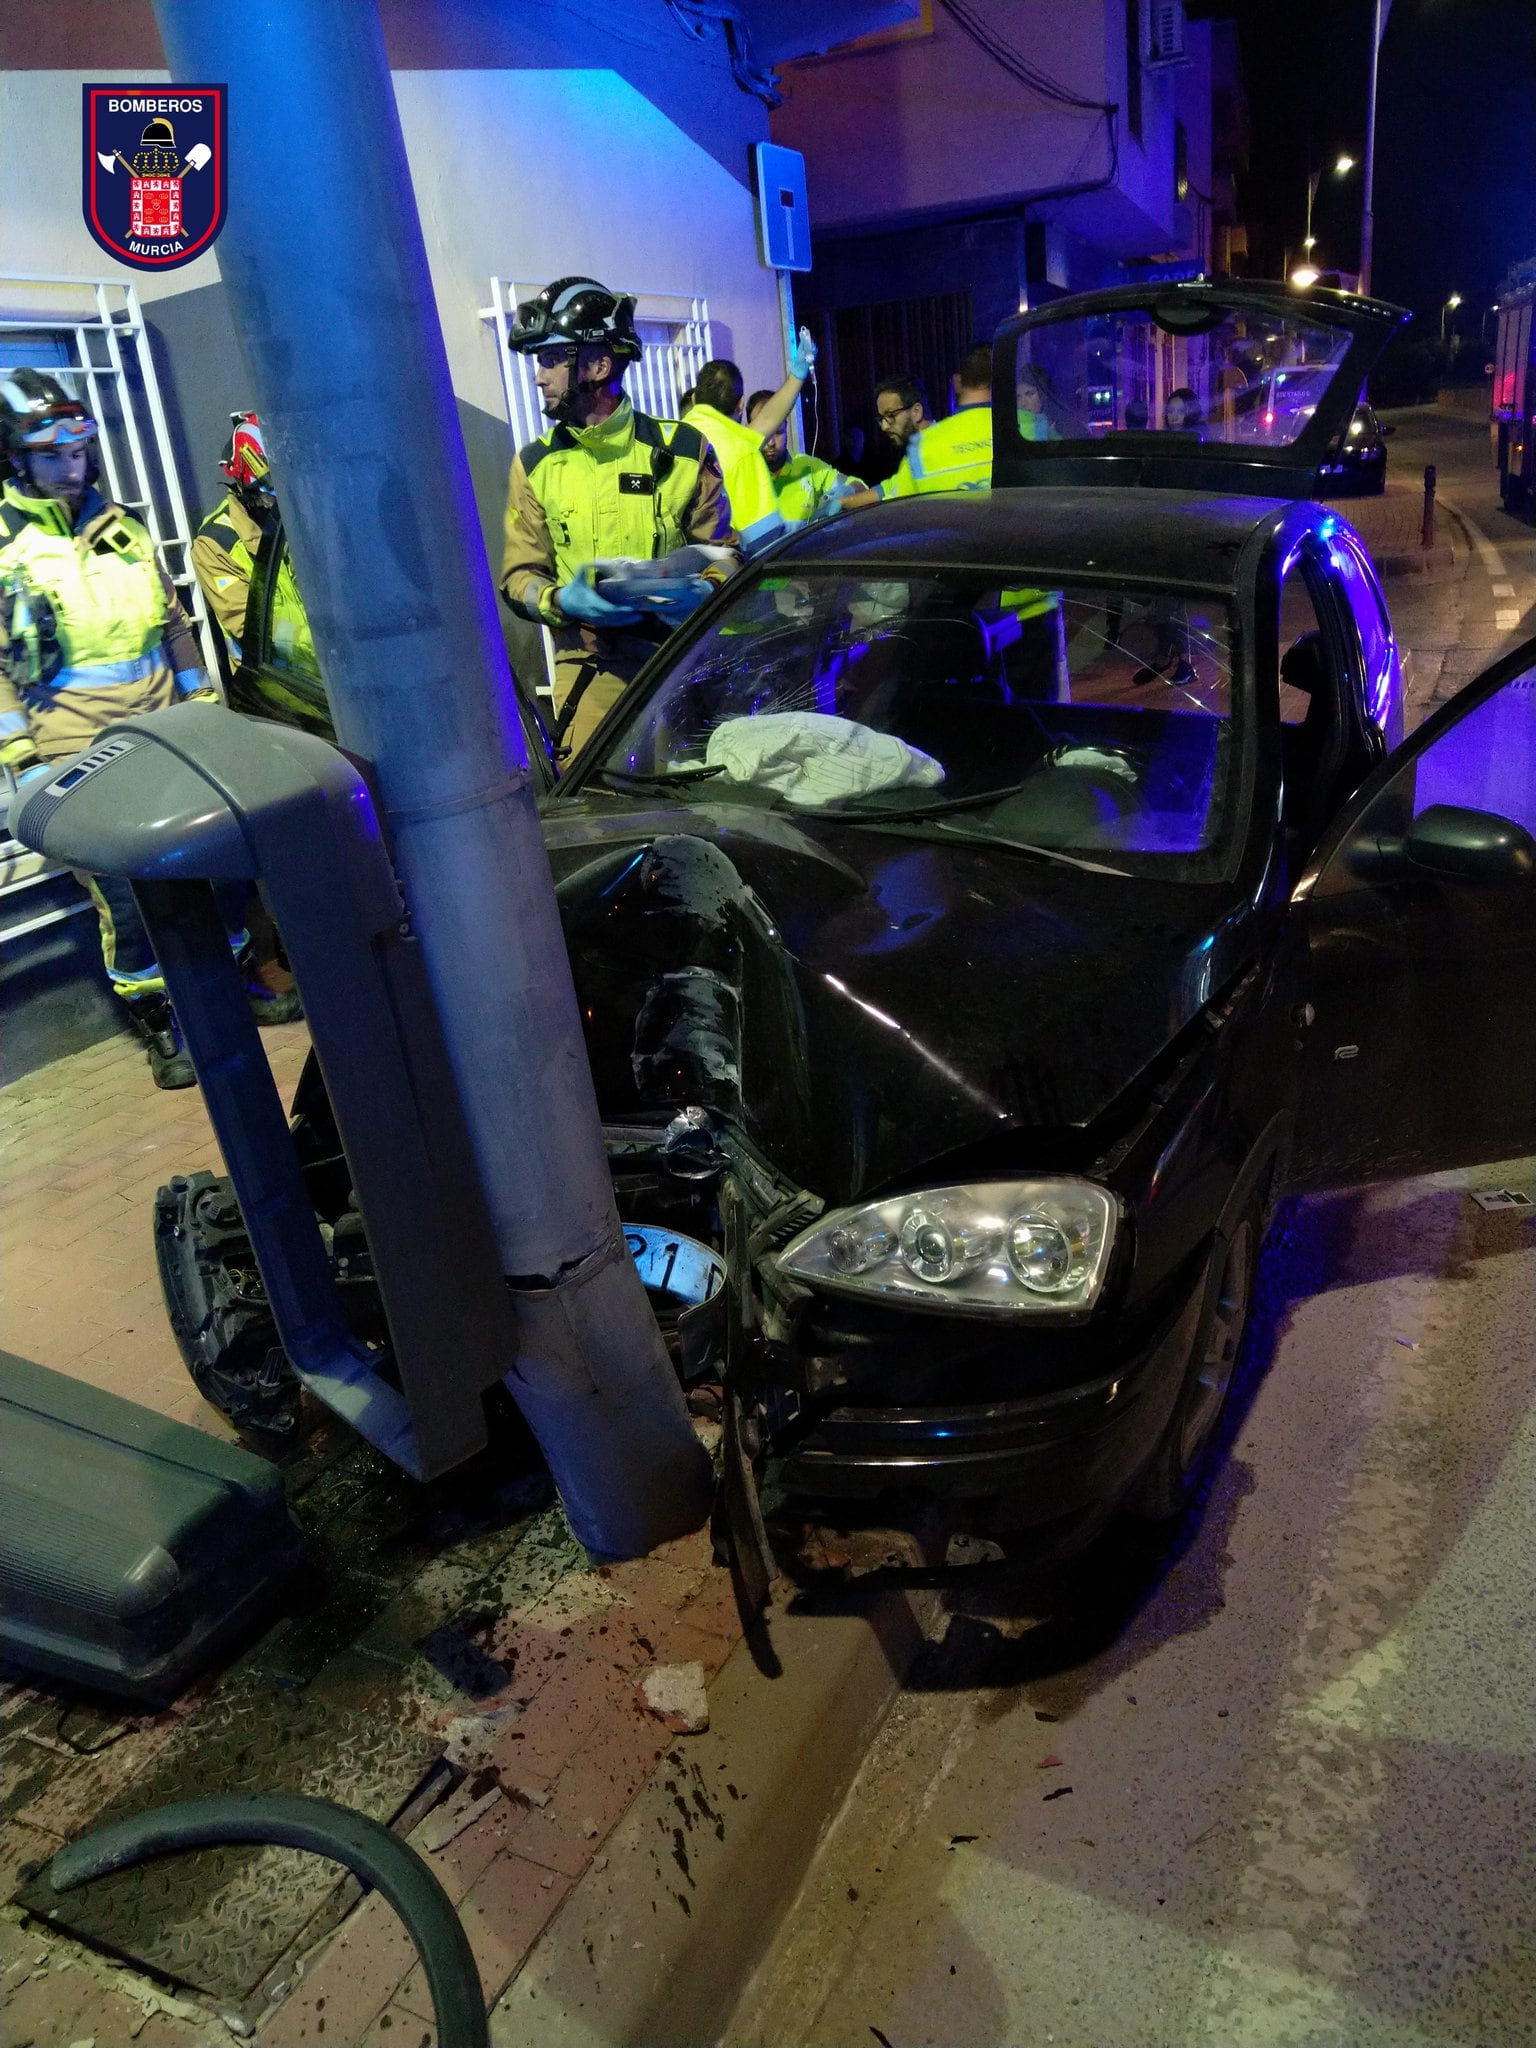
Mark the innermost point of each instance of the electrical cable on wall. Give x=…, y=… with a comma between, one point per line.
x=699, y=18
x=1032, y=78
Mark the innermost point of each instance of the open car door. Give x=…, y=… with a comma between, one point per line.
x=278, y=675
x=1195, y=386
x=1419, y=921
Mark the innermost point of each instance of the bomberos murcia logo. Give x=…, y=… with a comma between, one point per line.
x=155, y=170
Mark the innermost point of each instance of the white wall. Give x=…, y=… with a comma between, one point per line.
x=526, y=174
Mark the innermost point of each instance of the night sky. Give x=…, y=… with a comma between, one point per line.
x=1455, y=198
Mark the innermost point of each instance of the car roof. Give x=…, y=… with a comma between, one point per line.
x=1186, y=539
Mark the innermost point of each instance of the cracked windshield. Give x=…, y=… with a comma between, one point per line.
x=1092, y=725
x=1249, y=377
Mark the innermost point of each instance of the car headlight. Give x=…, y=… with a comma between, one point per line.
x=1001, y=1247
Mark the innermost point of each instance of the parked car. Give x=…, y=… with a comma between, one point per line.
x=1357, y=468
x=987, y=907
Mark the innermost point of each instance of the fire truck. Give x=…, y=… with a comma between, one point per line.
x=1514, y=391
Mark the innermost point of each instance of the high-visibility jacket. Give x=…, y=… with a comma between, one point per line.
x=224, y=558
x=801, y=484
x=91, y=628
x=953, y=454
x=749, y=483
x=628, y=485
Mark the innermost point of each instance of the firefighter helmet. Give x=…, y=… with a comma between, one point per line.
x=244, y=465
x=37, y=412
x=576, y=312
x=158, y=134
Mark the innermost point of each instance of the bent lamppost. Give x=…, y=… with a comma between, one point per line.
x=323, y=255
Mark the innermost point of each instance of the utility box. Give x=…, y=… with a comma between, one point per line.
x=177, y=800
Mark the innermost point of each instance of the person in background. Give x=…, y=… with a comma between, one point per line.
x=901, y=406
x=804, y=486
x=91, y=632
x=953, y=454
x=1181, y=412
x=224, y=558
x=606, y=484
x=687, y=400
x=739, y=449
x=1033, y=393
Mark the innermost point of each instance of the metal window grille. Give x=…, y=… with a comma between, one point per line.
x=675, y=345
x=89, y=333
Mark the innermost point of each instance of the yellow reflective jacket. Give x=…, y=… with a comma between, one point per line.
x=119, y=642
x=801, y=484
x=953, y=454
x=288, y=687
x=755, y=510
x=628, y=485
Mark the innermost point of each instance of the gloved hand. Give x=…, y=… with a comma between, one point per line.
x=676, y=598
x=579, y=601
x=802, y=357
x=830, y=503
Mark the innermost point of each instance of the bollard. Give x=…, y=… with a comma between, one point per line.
x=1427, y=535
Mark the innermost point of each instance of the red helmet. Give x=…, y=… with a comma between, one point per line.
x=244, y=463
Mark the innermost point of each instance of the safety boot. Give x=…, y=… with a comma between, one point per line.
x=155, y=1022
x=268, y=1005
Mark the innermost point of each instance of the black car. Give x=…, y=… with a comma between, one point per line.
x=1357, y=467
x=990, y=905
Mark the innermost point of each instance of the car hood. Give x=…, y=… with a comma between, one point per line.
x=860, y=1004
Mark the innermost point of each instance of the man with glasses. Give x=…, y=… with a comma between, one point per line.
x=901, y=407
x=604, y=491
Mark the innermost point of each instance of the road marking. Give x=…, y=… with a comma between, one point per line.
x=1506, y=621
x=1487, y=553
x=1503, y=589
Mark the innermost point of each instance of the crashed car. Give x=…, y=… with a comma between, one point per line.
x=990, y=905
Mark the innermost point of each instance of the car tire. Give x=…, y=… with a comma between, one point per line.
x=1172, y=1476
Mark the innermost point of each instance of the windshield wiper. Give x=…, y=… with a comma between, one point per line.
x=972, y=837
x=900, y=813
x=628, y=778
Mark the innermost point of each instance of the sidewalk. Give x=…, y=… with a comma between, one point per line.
x=450, y=1641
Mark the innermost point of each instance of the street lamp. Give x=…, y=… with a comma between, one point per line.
x=1342, y=166
x=1449, y=307
x=1305, y=274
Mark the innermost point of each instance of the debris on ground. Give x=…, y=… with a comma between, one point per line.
x=1060, y=1792
x=1501, y=1198
x=1049, y=1763
x=675, y=1694
x=469, y=1740
x=529, y=1795
x=955, y=1841
x=472, y=1799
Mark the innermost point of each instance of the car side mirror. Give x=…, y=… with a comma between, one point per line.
x=1469, y=846
x=1388, y=430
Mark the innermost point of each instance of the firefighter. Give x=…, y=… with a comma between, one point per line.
x=224, y=558
x=91, y=631
x=605, y=485
x=804, y=486
x=740, y=450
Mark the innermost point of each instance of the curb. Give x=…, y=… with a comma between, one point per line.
x=656, y=1945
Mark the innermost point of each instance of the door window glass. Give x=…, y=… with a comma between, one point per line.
x=1487, y=760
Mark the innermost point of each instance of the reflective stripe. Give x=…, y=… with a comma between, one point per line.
x=190, y=679
x=11, y=722
x=98, y=675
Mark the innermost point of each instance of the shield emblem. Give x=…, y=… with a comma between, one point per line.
x=155, y=170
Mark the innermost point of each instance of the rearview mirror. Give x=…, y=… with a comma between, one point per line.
x=1468, y=845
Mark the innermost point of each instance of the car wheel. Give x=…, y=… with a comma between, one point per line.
x=1173, y=1474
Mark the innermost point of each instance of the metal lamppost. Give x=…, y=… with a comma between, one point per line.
x=1379, y=15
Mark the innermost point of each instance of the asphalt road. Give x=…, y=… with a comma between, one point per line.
x=1274, y=1783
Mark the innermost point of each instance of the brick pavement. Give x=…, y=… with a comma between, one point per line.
x=488, y=1628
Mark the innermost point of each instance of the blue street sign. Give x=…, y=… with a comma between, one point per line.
x=782, y=208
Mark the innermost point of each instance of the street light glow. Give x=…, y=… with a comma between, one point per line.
x=1344, y=165
x=1454, y=299
x=1309, y=241
x=1305, y=274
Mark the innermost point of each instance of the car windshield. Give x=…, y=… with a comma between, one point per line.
x=1091, y=725
x=1255, y=377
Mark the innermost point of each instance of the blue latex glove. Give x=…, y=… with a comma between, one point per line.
x=578, y=600
x=678, y=598
x=802, y=357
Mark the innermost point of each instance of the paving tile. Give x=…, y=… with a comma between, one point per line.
x=348, y=1984
x=594, y=1789
x=503, y=1913
x=560, y=1717
x=397, y=2027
